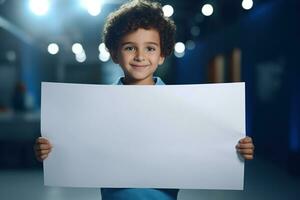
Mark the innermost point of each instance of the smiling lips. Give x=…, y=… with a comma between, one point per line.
x=139, y=66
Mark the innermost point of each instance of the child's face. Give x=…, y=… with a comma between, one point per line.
x=139, y=54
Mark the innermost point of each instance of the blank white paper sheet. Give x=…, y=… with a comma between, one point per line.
x=168, y=136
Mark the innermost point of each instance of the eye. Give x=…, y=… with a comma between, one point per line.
x=129, y=48
x=151, y=49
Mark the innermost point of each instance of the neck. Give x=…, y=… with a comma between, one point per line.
x=130, y=81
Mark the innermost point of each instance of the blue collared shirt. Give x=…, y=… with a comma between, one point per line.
x=139, y=193
x=156, y=80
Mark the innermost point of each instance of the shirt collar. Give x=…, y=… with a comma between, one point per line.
x=156, y=80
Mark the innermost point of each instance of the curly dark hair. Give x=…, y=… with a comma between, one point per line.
x=137, y=14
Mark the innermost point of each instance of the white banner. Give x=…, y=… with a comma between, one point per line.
x=168, y=136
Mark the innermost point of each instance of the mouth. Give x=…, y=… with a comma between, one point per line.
x=139, y=66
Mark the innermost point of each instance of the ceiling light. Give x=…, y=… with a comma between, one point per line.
x=179, y=47
x=53, y=48
x=168, y=10
x=247, y=4
x=207, y=10
x=39, y=7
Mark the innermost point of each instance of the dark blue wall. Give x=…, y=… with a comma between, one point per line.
x=268, y=37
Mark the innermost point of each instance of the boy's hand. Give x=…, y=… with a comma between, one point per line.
x=246, y=148
x=42, y=148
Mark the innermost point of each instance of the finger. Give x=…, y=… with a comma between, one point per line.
x=245, y=146
x=38, y=157
x=42, y=140
x=42, y=152
x=248, y=157
x=43, y=157
x=245, y=151
x=45, y=146
x=246, y=140
x=42, y=147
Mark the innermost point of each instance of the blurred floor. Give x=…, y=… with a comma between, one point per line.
x=263, y=180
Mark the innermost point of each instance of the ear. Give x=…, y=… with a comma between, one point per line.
x=114, y=57
x=161, y=60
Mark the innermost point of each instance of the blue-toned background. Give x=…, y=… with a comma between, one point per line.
x=259, y=46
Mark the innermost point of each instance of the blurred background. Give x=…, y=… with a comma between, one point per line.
x=218, y=41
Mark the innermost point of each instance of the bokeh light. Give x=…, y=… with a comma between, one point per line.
x=207, y=10
x=39, y=7
x=168, y=10
x=53, y=48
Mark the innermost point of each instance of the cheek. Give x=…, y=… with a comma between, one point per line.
x=124, y=58
x=127, y=56
x=155, y=58
x=159, y=60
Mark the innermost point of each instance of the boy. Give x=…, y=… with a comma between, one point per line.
x=139, y=37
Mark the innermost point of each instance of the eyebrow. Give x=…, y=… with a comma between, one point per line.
x=153, y=43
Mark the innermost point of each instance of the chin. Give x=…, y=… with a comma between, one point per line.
x=139, y=77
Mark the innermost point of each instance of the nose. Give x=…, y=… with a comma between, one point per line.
x=139, y=56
